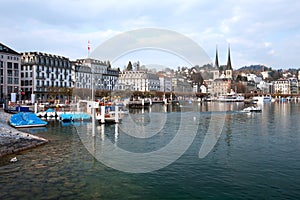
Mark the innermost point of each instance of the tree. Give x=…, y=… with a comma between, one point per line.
x=129, y=66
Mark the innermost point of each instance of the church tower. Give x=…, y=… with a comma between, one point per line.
x=229, y=70
x=216, y=70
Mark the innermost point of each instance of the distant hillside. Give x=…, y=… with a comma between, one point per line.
x=254, y=68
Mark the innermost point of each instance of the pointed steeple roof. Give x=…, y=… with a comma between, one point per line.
x=217, y=59
x=229, y=66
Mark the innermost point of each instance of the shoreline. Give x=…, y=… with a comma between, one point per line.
x=13, y=140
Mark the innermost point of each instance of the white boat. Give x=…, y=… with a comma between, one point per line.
x=263, y=99
x=122, y=111
x=108, y=118
x=252, y=109
x=231, y=98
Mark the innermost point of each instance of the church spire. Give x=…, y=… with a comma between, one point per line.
x=229, y=67
x=217, y=59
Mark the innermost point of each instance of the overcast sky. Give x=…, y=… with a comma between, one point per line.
x=259, y=32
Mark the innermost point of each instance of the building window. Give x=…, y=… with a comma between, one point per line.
x=9, y=65
x=16, y=73
x=16, y=81
x=9, y=80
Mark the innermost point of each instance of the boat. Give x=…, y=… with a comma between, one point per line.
x=17, y=109
x=68, y=117
x=49, y=113
x=122, y=110
x=109, y=118
x=26, y=120
x=143, y=103
x=263, y=99
x=231, y=98
x=252, y=109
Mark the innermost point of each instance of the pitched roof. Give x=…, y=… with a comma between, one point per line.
x=6, y=49
x=217, y=59
x=228, y=67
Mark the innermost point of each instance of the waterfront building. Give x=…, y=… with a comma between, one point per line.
x=45, y=75
x=209, y=86
x=139, y=81
x=10, y=64
x=82, y=75
x=203, y=89
x=165, y=83
x=104, y=78
x=265, y=87
x=221, y=86
x=180, y=84
x=286, y=86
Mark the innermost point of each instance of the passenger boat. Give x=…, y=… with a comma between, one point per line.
x=26, y=120
x=231, y=98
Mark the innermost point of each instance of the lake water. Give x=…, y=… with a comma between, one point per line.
x=257, y=156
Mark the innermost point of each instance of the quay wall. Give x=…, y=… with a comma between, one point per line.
x=13, y=140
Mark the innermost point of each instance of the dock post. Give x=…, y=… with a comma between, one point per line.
x=116, y=114
x=102, y=116
x=35, y=108
x=143, y=102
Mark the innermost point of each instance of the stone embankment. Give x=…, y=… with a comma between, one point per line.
x=13, y=140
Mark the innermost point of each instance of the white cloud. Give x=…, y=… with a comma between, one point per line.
x=258, y=31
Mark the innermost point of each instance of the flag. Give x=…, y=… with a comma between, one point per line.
x=89, y=46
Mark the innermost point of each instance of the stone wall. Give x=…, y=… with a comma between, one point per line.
x=13, y=140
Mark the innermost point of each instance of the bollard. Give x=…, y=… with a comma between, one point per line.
x=116, y=114
x=102, y=116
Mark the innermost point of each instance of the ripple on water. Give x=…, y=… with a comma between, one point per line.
x=256, y=157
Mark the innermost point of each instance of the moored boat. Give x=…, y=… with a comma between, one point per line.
x=262, y=99
x=231, y=98
x=26, y=120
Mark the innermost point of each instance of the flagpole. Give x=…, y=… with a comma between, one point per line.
x=89, y=48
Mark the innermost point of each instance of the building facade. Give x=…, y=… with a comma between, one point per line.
x=181, y=85
x=45, y=75
x=221, y=86
x=90, y=71
x=139, y=81
x=10, y=66
x=165, y=83
x=286, y=86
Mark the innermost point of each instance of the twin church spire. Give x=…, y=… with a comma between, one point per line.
x=225, y=70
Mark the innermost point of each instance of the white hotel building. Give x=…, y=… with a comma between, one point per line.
x=88, y=71
x=41, y=71
x=138, y=81
x=286, y=86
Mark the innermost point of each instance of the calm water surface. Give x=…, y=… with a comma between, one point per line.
x=256, y=157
